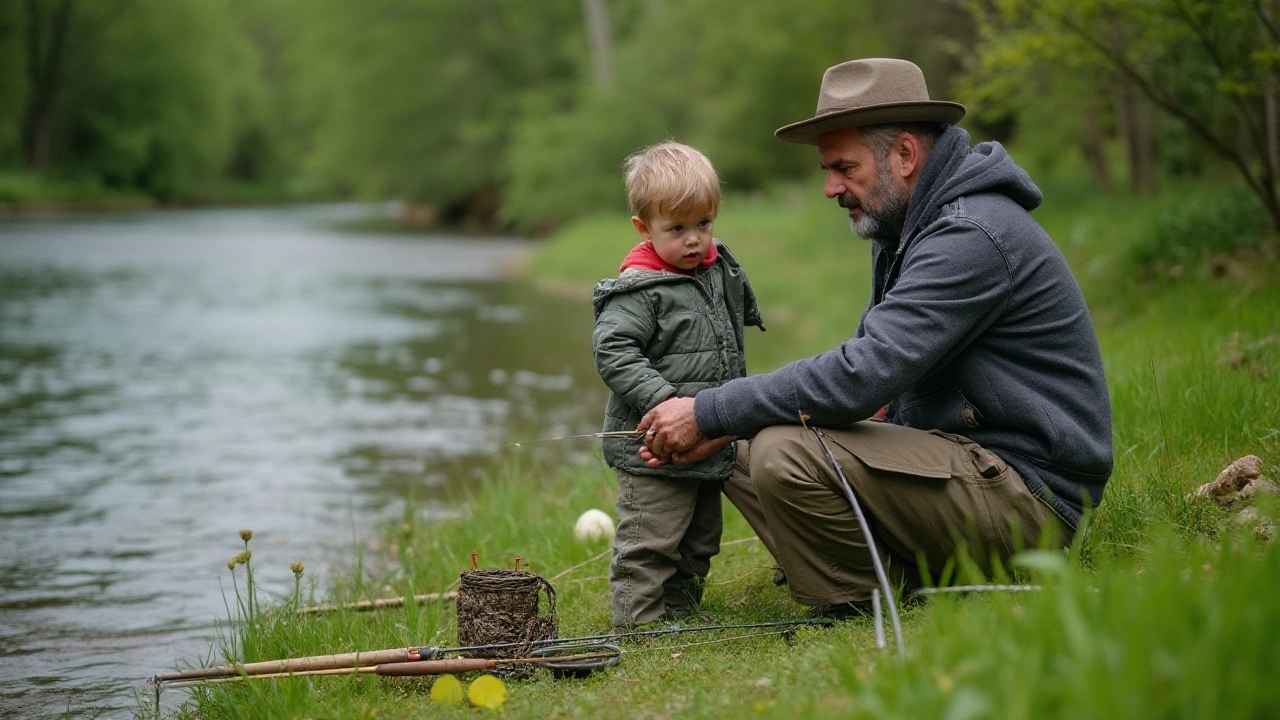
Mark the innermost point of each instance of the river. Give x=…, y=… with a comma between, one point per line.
x=168, y=378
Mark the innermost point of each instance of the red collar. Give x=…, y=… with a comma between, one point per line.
x=643, y=256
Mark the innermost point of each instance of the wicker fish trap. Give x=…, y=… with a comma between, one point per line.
x=502, y=606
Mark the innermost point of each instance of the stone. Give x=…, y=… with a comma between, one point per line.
x=1247, y=516
x=1240, y=480
x=1264, y=527
x=1263, y=486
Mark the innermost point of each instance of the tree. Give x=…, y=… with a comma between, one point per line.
x=13, y=81
x=48, y=25
x=721, y=75
x=1210, y=65
x=417, y=100
x=124, y=93
x=595, y=14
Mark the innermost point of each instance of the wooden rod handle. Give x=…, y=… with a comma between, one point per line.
x=435, y=667
x=295, y=665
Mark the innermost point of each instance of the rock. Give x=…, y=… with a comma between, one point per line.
x=1239, y=481
x=1263, y=486
x=1247, y=516
x=1264, y=527
x=1233, y=478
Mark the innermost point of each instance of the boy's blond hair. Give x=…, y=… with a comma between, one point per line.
x=671, y=179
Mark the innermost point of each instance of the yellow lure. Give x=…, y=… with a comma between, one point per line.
x=446, y=688
x=487, y=691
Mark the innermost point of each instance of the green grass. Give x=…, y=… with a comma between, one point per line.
x=1165, y=609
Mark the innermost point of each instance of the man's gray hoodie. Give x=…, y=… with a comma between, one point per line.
x=975, y=326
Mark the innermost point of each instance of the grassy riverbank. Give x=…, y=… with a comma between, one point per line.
x=24, y=193
x=1164, y=610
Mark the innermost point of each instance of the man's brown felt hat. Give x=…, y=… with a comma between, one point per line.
x=874, y=91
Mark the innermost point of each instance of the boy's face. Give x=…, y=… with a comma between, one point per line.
x=681, y=241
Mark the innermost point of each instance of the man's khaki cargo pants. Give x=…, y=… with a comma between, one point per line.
x=926, y=496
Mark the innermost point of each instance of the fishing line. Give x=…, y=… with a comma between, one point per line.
x=630, y=651
x=866, y=533
x=607, y=434
x=977, y=588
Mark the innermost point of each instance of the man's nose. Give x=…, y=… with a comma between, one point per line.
x=834, y=186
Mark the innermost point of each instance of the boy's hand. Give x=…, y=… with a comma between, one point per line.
x=668, y=429
x=704, y=449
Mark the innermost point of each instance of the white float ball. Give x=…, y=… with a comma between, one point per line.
x=593, y=525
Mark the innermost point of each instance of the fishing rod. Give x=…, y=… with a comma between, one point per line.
x=600, y=655
x=608, y=434
x=346, y=661
x=866, y=532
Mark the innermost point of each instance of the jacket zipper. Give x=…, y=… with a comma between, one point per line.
x=897, y=256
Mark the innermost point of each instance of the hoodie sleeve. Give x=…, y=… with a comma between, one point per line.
x=954, y=283
x=623, y=329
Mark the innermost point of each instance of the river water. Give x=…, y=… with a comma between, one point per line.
x=168, y=378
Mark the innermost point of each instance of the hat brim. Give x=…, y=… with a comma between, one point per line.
x=806, y=132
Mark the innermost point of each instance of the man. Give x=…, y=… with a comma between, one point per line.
x=997, y=433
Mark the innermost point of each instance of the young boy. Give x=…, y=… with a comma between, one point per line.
x=669, y=325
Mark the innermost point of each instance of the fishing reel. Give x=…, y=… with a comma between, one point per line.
x=580, y=660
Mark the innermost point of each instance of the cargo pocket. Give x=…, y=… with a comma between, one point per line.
x=988, y=464
x=910, y=459
x=987, y=467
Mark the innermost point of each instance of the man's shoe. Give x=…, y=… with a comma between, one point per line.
x=779, y=576
x=844, y=611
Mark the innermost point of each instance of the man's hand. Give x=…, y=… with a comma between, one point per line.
x=704, y=449
x=670, y=428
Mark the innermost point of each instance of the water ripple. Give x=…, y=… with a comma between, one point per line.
x=169, y=378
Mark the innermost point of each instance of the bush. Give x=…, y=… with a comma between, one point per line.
x=1196, y=226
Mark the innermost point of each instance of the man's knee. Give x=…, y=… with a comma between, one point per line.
x=777, y=455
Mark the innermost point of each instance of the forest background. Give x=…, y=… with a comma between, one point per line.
x=515, y=116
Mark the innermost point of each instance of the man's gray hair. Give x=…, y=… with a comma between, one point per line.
x=881, y=138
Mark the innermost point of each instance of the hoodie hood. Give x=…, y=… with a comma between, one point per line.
x=632, y=279
x=953, y=169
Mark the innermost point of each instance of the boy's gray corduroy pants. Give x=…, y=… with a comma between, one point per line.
x=668, y=531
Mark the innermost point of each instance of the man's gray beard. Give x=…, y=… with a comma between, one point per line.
x=886, y=221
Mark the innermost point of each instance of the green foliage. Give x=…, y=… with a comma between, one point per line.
x=134, y=94
x=490, y=112
x=1210, y=67
x=722, y=85
x=154, y=90
x=1200, y=224
x=417, y=99
x=570, y=163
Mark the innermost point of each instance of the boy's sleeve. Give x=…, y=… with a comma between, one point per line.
x=623, y=329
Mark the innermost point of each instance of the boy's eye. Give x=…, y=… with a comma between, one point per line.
x=678, y=228
x=706, y=223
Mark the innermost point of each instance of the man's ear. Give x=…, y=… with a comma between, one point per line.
x=908, y=152
x=642, y=228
